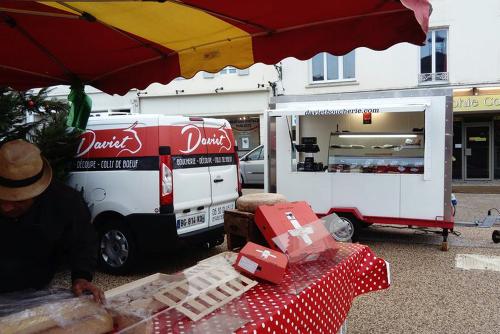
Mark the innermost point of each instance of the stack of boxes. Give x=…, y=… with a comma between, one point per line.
x=293, y=232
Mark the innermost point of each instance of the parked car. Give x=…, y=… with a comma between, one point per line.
x=150, y=180
x=252, y=166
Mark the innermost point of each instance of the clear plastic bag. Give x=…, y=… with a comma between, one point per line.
x=52, y=312
x=205, y=298
x=311, y=249
x=21, y=300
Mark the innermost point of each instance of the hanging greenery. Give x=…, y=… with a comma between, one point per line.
x=48, y=129
x=12, y=115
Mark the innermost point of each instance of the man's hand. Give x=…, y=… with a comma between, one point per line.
x=82, y=285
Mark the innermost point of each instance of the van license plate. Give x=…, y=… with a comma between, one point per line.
x=217, y=213
x=191, y=220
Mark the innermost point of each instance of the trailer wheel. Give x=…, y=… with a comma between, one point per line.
x=496, y=236
x=350, y=230
x=117, y=249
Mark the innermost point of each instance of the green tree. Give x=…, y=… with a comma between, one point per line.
x=13, y=109
x=49, y=131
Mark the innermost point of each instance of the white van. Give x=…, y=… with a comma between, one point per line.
x=151, y=179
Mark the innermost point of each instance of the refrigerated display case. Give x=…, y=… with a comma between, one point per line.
x=376, y=152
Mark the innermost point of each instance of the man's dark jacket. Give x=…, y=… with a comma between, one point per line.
x=57, y=226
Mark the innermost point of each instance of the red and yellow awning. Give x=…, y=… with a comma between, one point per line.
x=119, y=45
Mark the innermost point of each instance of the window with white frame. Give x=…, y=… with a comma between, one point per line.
x=326, y=68
x=434, y=57
x=228, y=70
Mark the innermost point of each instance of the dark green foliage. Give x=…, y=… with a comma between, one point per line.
x=49, y=132
x=57, y=142
x=12, y=115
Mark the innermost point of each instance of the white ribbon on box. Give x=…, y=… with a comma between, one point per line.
x=265, y=254
x=299, y=230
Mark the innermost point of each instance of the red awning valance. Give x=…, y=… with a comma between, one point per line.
x=119, y=45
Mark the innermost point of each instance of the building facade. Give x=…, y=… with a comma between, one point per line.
x=462, y=53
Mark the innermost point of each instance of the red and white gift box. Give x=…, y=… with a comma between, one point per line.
x=293, y=228
x=262, y=262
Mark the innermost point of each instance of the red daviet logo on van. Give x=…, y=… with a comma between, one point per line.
x=110, y=143
x=217, y=140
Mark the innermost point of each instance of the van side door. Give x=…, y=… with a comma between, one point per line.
x=192, y=196
x=223, y=168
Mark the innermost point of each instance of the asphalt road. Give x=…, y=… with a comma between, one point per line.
x=428, y=294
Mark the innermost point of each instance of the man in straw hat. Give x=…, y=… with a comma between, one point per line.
x=40, y=221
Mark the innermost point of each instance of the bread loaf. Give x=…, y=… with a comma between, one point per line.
x=133, y=324
x=250, y=202
x=97, y=324
x=43, y=318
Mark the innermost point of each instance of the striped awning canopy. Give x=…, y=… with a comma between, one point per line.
x=119, y=45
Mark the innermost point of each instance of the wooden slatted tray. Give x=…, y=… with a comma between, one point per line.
x=199, y=295
x=195, y=292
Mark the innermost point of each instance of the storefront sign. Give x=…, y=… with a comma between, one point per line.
x=476, y=103
x=241, y=125
x=340, y=111
x=477, y=139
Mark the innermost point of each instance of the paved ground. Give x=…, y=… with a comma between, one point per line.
x=475, y=206
x=428, y=294
x=476, y=187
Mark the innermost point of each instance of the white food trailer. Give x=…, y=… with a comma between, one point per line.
x=372, y=158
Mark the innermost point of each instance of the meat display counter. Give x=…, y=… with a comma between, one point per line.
x=381, y=152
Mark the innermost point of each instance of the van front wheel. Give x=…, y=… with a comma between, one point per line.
x=117, y=249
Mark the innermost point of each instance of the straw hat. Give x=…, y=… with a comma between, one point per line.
x=24, y=173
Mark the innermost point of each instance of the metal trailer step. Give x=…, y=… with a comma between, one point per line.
x=486, y=222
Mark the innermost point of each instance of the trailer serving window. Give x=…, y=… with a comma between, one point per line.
x=378, y=142
x=385, y=159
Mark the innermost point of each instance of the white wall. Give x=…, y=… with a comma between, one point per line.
x=257, y=74
x=101, y=101
x=375, y=70
x=240, y=94
x=473, y=54
x=474, y=49
x=250, y=102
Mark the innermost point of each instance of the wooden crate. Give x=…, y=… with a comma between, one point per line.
x=240, y=228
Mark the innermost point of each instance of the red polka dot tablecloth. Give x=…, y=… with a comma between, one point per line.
x=315, y=297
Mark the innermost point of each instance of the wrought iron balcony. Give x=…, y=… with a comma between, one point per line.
x=433, y=77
